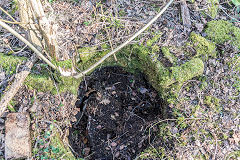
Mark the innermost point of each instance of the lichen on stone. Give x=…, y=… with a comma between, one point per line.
x=221, y=31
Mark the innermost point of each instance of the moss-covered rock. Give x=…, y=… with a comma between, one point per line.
x=133, y=58
x=203, y=47
x=160, y=76
x=221, y=31
x=187, y=71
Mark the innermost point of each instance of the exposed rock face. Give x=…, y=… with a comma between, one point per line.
x=17, y=138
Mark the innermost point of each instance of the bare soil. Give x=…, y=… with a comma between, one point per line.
x=117, y=108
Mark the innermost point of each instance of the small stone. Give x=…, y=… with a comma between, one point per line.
x=113, y=144
x=113, y=117
x=199, y=26
x=140, y=145
x=116, y=114
x=174, y=130
x=2, y=76
x=117, y=154
x=99, y=127
x=33, y=109
x=107, y=148
x=86, y=151
x=130, y=108
x=1, y=120
x=143, y=90
x=198, y=143
x=122, y=147
x=133, y=151
x=17, y=138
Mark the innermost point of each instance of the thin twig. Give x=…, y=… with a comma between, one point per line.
x=8, y=15
x=149, y=131
x=6, y=21
x=125, y=43
x=7, y=27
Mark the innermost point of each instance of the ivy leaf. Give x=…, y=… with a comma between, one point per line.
x=236, y=2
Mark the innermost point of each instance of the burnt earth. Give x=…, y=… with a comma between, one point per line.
x=116, y=109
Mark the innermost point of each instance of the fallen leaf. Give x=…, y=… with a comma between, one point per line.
x=105, y=101
x=236, y=138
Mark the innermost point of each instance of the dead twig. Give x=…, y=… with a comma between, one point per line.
x=153, y=125
x=185, y=16
x=125, y=43
x=18, y=82
x=9, y=15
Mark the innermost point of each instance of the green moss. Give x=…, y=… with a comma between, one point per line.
x=184, y=72
x=203, y=47
x=9, y=63
x=134, y=58
x=11, y=105
x=86, y=53
x=89, y=56
x=41, y=83
x=188, y=70
x=68, y=84
x=233, y=155
x=213, y=8
x=166, y=52
x=155, y=38
x=222, y=31
x=213, y=102
x=67, y=64
x=122, y=13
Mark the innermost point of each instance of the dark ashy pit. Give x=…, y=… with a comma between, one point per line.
x=117, y=108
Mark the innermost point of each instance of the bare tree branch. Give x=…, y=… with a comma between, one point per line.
x=125, y=43
x=7, y=27
x=18, y=82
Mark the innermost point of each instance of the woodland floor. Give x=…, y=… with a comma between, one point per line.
x=122, y=106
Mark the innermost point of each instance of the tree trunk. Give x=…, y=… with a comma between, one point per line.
x=40, y=32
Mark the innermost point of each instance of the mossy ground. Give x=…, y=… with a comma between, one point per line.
x=203, y=47
x=213, y=6
x=221, y=31
x=181, y=132
x=56, y=148
x=9, y=63
x=167, y=80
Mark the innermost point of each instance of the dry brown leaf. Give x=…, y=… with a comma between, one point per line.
x=105, y=101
